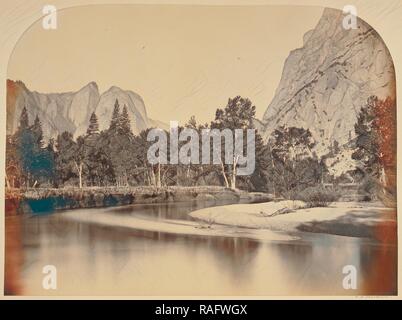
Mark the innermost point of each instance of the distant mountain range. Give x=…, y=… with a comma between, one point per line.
x=70, y=111
x=326, y=82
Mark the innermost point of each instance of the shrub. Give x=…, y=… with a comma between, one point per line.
x=318, y=196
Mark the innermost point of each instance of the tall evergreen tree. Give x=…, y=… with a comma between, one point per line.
x=367, y=149
x=36, y=163
x=38, y=132
x=125, y=121
x=24, y=121
x=66, y=151
x=93, y=127
x=114, y=123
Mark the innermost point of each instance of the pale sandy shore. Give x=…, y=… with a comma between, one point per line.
x=178, y=227
x=271, y=221
x=341, y=218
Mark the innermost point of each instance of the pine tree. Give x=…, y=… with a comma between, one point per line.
x=93, y=127
x=192, y=123
x=114, y=124
x=37, y=162
x=125, y=121
x=38, y=132
x=367, y=148
x=24, y=121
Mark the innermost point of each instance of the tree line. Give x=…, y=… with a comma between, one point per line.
x=284, y=165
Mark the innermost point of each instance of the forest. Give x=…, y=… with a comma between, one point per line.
x=285, y=165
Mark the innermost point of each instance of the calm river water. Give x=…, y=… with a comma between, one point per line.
x=93, y=259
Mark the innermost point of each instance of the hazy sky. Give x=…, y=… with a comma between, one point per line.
x=183, y=60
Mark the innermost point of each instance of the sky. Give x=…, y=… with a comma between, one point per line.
x=182, y=60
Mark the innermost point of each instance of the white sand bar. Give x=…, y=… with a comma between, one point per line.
x=269, y=216
x=183, y=227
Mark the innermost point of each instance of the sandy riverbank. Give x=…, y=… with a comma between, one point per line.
x=354, y=219
x=105, y=217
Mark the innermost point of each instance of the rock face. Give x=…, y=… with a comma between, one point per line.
x=326, y=82
x=71, y=111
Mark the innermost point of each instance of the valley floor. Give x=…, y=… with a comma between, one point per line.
x=354, y=219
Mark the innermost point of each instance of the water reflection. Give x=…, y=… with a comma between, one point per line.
x=100, y=260
x=170, y=210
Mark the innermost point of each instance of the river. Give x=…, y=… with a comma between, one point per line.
x=97, y=259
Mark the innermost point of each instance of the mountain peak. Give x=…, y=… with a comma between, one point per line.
x=70, y=111
x=115, y=89
x=326, y=82
x=92, y=84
